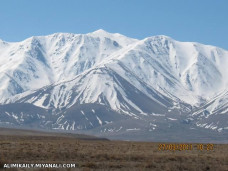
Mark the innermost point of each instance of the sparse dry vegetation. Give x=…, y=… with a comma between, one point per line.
x=108, y=155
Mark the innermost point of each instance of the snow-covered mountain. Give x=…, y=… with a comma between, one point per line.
x=41, y=61
x=108, y=83
x=213, y=114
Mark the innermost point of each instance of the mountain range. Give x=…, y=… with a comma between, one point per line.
x=110, y=85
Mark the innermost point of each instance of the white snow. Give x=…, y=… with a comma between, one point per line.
x=73, y=126
x=172, y=119
x=133, y=129
x=7, y=113
x=39, y=102
x=82, y=64
x=154, y=125
x=99, y=120
x=108, y=122
x=154, y=114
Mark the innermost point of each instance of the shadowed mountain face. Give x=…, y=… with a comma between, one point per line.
x=111, y=85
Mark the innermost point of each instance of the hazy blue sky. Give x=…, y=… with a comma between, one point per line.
x=204, y=21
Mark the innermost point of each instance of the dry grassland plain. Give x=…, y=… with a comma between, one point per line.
x=95, y=154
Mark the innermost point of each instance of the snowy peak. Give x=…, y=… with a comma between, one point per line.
x=43, y=60
x=189, y=71
x=121, y=39
x=100, y=32
x=197, y=66
x=2, y=43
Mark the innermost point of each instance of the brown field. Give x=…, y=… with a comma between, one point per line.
x=95, y=154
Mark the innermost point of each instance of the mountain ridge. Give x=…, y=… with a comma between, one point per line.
x=157, y=77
